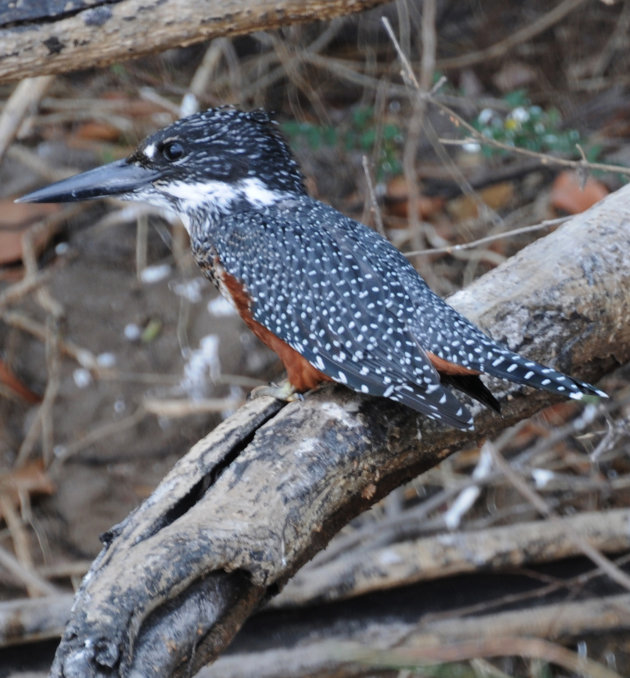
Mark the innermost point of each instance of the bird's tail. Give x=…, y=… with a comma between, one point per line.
x=510, y=366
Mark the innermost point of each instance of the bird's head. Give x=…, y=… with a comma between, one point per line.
x=214, y=161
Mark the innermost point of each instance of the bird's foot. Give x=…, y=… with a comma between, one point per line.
x=284, y=391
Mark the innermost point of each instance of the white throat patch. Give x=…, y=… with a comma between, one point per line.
x=220, y=194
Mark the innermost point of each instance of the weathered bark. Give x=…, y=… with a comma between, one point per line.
x=260, y=495
x=395, y=565
x=55, y=37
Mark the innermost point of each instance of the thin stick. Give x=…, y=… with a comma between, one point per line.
x=548, y=223
x=24, y=97
x=98, y=434
x=181, y=407
x=374, y=208
x=528, y=493
x=533, y=648
x=26, y=574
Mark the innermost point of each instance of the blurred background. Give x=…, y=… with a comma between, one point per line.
x=116, y=355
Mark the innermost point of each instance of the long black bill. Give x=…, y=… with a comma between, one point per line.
x=115, y=178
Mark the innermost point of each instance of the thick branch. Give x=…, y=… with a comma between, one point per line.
x=37, y=40
x=259, y=496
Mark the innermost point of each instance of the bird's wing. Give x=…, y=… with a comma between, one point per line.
x=452, y=337
x=316, y=280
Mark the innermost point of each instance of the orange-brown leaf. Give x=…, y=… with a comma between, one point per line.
x=8, y=378
x=570, y=196
x=496, y=196
x=97, y=131
x=397, y=200
x=29, y=479
x=15, y=220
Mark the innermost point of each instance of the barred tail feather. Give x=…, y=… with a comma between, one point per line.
x=513, y=367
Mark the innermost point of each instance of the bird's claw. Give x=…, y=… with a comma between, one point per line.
x=283, y=391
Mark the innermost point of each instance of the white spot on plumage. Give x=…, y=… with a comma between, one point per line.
x=149, y=151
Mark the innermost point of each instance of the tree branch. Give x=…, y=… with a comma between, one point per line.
x=426, y=558
x=357, y=650
x=260, y=495
x=43, y=38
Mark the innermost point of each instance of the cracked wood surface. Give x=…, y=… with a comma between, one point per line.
x=56, y=37
x=260, y=495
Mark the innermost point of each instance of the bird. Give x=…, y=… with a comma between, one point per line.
x=333, y=298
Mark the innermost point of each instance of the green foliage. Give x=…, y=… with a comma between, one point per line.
x=527, y=126
x=363, y=133
x=119, y=71
x=151, y=331
x=542, y=670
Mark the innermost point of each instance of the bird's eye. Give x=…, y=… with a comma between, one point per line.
x=173, y=150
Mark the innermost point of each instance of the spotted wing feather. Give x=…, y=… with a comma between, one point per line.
x=318, y=290
x=352, y=305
